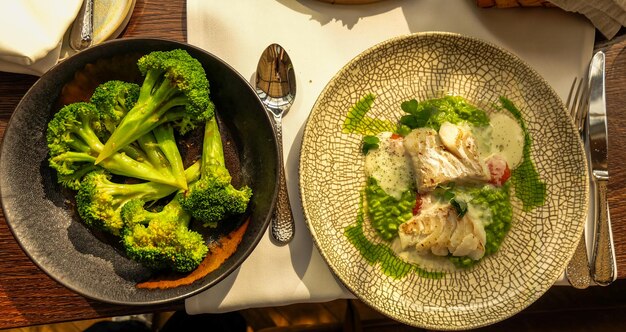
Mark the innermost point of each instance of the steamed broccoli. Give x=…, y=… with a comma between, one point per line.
x=213, y=197
x=175, y=89
x=162, y=239
x=114, y=99
x=100, y=201
x=72, y=138
x=162, y=151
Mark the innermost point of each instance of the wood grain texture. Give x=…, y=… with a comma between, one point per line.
x=616, y=101
x=27, y=295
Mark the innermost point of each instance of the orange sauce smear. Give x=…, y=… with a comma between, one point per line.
x=218, y=254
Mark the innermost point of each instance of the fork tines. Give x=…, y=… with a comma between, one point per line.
x=578, y=102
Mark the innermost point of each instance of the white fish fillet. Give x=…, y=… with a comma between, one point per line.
x=435, y=163
x=438, y=230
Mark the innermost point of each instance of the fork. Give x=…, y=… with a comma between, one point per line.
x=577, y=271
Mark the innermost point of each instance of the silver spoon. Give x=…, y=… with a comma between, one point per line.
x=276, y=86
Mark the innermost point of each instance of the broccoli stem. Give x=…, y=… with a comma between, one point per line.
x=156, y=97
x=212, y=148
x=192, y=173
x=120, y=163
x=147, y=191
x=135, y=153
x=149, y=146
x=74, y=157
x=166, y=140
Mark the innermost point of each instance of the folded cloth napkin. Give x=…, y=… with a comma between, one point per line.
x=31, y=33
x=320, y=38
x=608, y=16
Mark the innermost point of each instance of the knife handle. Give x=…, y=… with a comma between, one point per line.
x=603, y=259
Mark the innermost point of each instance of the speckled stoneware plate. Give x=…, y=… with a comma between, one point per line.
x=541, y=241
x=40, y=213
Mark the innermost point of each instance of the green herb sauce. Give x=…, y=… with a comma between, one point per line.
x=357, y=122
x=385, y=212
x=529, y=188
x=497, y=200
x=381, y=254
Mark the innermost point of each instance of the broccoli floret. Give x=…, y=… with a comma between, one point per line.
x=100, y=201
x=213, y=197
x=161, y=240
x=114, y=99
x=175, y=89
x=72, y=138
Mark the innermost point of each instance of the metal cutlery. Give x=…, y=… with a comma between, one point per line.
x=577, y=271
x=276, y=87
x=81, y=36
x=603, y=256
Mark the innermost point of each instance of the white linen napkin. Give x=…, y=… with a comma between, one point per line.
x=31, y=33
x=608, y=16
x=320, y=38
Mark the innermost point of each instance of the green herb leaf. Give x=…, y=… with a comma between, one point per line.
x=403, y=130
x=459, y=206
x=432, y=113
x=449, y=195
x=409, y=106
x=369, y=142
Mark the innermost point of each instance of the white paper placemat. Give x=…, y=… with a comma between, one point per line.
x=320, y=38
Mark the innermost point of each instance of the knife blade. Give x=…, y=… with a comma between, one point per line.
x=603, y=256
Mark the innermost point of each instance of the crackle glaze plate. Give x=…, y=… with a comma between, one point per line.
x=540, y=242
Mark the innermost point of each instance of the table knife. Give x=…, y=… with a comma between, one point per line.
x=603, y=257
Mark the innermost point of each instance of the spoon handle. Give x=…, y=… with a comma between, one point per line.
x=577, y=270
x=282, y=226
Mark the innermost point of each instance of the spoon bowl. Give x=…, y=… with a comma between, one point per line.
x=275, y=80
x=276, y=86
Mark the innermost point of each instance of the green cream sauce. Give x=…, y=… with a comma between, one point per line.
x=529, y=188
x=497, y=201
x=374, y=253
x=357, y=122
x=386, y=218
x=386, y=212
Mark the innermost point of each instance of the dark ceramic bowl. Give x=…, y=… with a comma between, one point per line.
x=41, y=215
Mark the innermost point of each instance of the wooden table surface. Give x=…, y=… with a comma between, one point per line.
x=29, y=297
